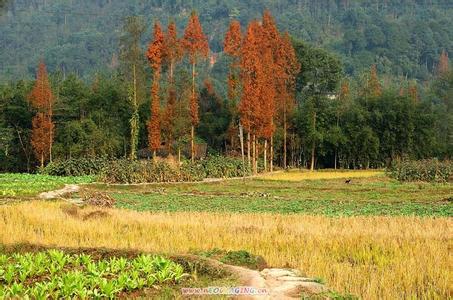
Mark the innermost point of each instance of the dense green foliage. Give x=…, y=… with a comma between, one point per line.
x=430, y=170
x=402, y=37
x=362, y=130
x=56, y=275
x=12, y=185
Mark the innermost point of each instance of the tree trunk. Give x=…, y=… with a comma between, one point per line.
x=313, y=147
x=241, y=139
x=271, y=162
x=42, y=160
x=154, y=155
x=50, y=134
x=254, y=154
x=285, y=127
x=192, y=143
x=265, y=155
x=312, y=165
x=248, y=149
x=192, y=135
x=179, y=156
x=134, y=132
x=335, y=158
x=170, y=130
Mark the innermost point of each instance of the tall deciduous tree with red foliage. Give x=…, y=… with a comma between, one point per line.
x=196, y=46
x=250, y=70
x=232, y=47
x=173, y=54
x=42, y=100
x=268, y=70
x=155, y=55
x=288, y=68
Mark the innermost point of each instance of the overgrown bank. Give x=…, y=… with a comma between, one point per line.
x=148, y=171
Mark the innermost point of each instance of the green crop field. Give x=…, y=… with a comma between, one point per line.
x=27, y=185
x=58, y=275
x=331, y=197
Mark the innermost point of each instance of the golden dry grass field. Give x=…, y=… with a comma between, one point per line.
x=374, y=257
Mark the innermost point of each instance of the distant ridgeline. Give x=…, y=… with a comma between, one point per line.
x=403, y=38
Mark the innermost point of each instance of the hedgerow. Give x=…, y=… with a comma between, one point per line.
x=148, y=171
x=429, y=170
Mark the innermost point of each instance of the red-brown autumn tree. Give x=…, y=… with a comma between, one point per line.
x=288, y=67
x=413, y=93
x=374, y=86
x=443, y=66
x=196, y=46
x=250, y=70
x=232, y=47
x=173, y=54
x=42, y=131
x=42, y=100
x=273, y=74
x=155, y=56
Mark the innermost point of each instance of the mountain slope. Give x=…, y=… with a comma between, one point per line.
x=403, y=38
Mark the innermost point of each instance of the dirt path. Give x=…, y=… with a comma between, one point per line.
x=280, y=283
x=68, y=189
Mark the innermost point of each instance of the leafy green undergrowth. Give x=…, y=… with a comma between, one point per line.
x=16, y=185
x=56, y=274
x=236, y=258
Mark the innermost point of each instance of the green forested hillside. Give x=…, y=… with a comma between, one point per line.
x=403, y=38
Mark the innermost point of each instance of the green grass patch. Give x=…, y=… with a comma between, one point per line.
x=236, y=258
x=17, y=185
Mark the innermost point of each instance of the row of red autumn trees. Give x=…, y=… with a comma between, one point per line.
x=261, y=81
x=261, y=86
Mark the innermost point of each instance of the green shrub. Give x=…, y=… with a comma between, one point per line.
x=123, y=171
x=429, y=170
x=127, y=171
x=192, y=172
x=76, y=167
x=224, y=167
